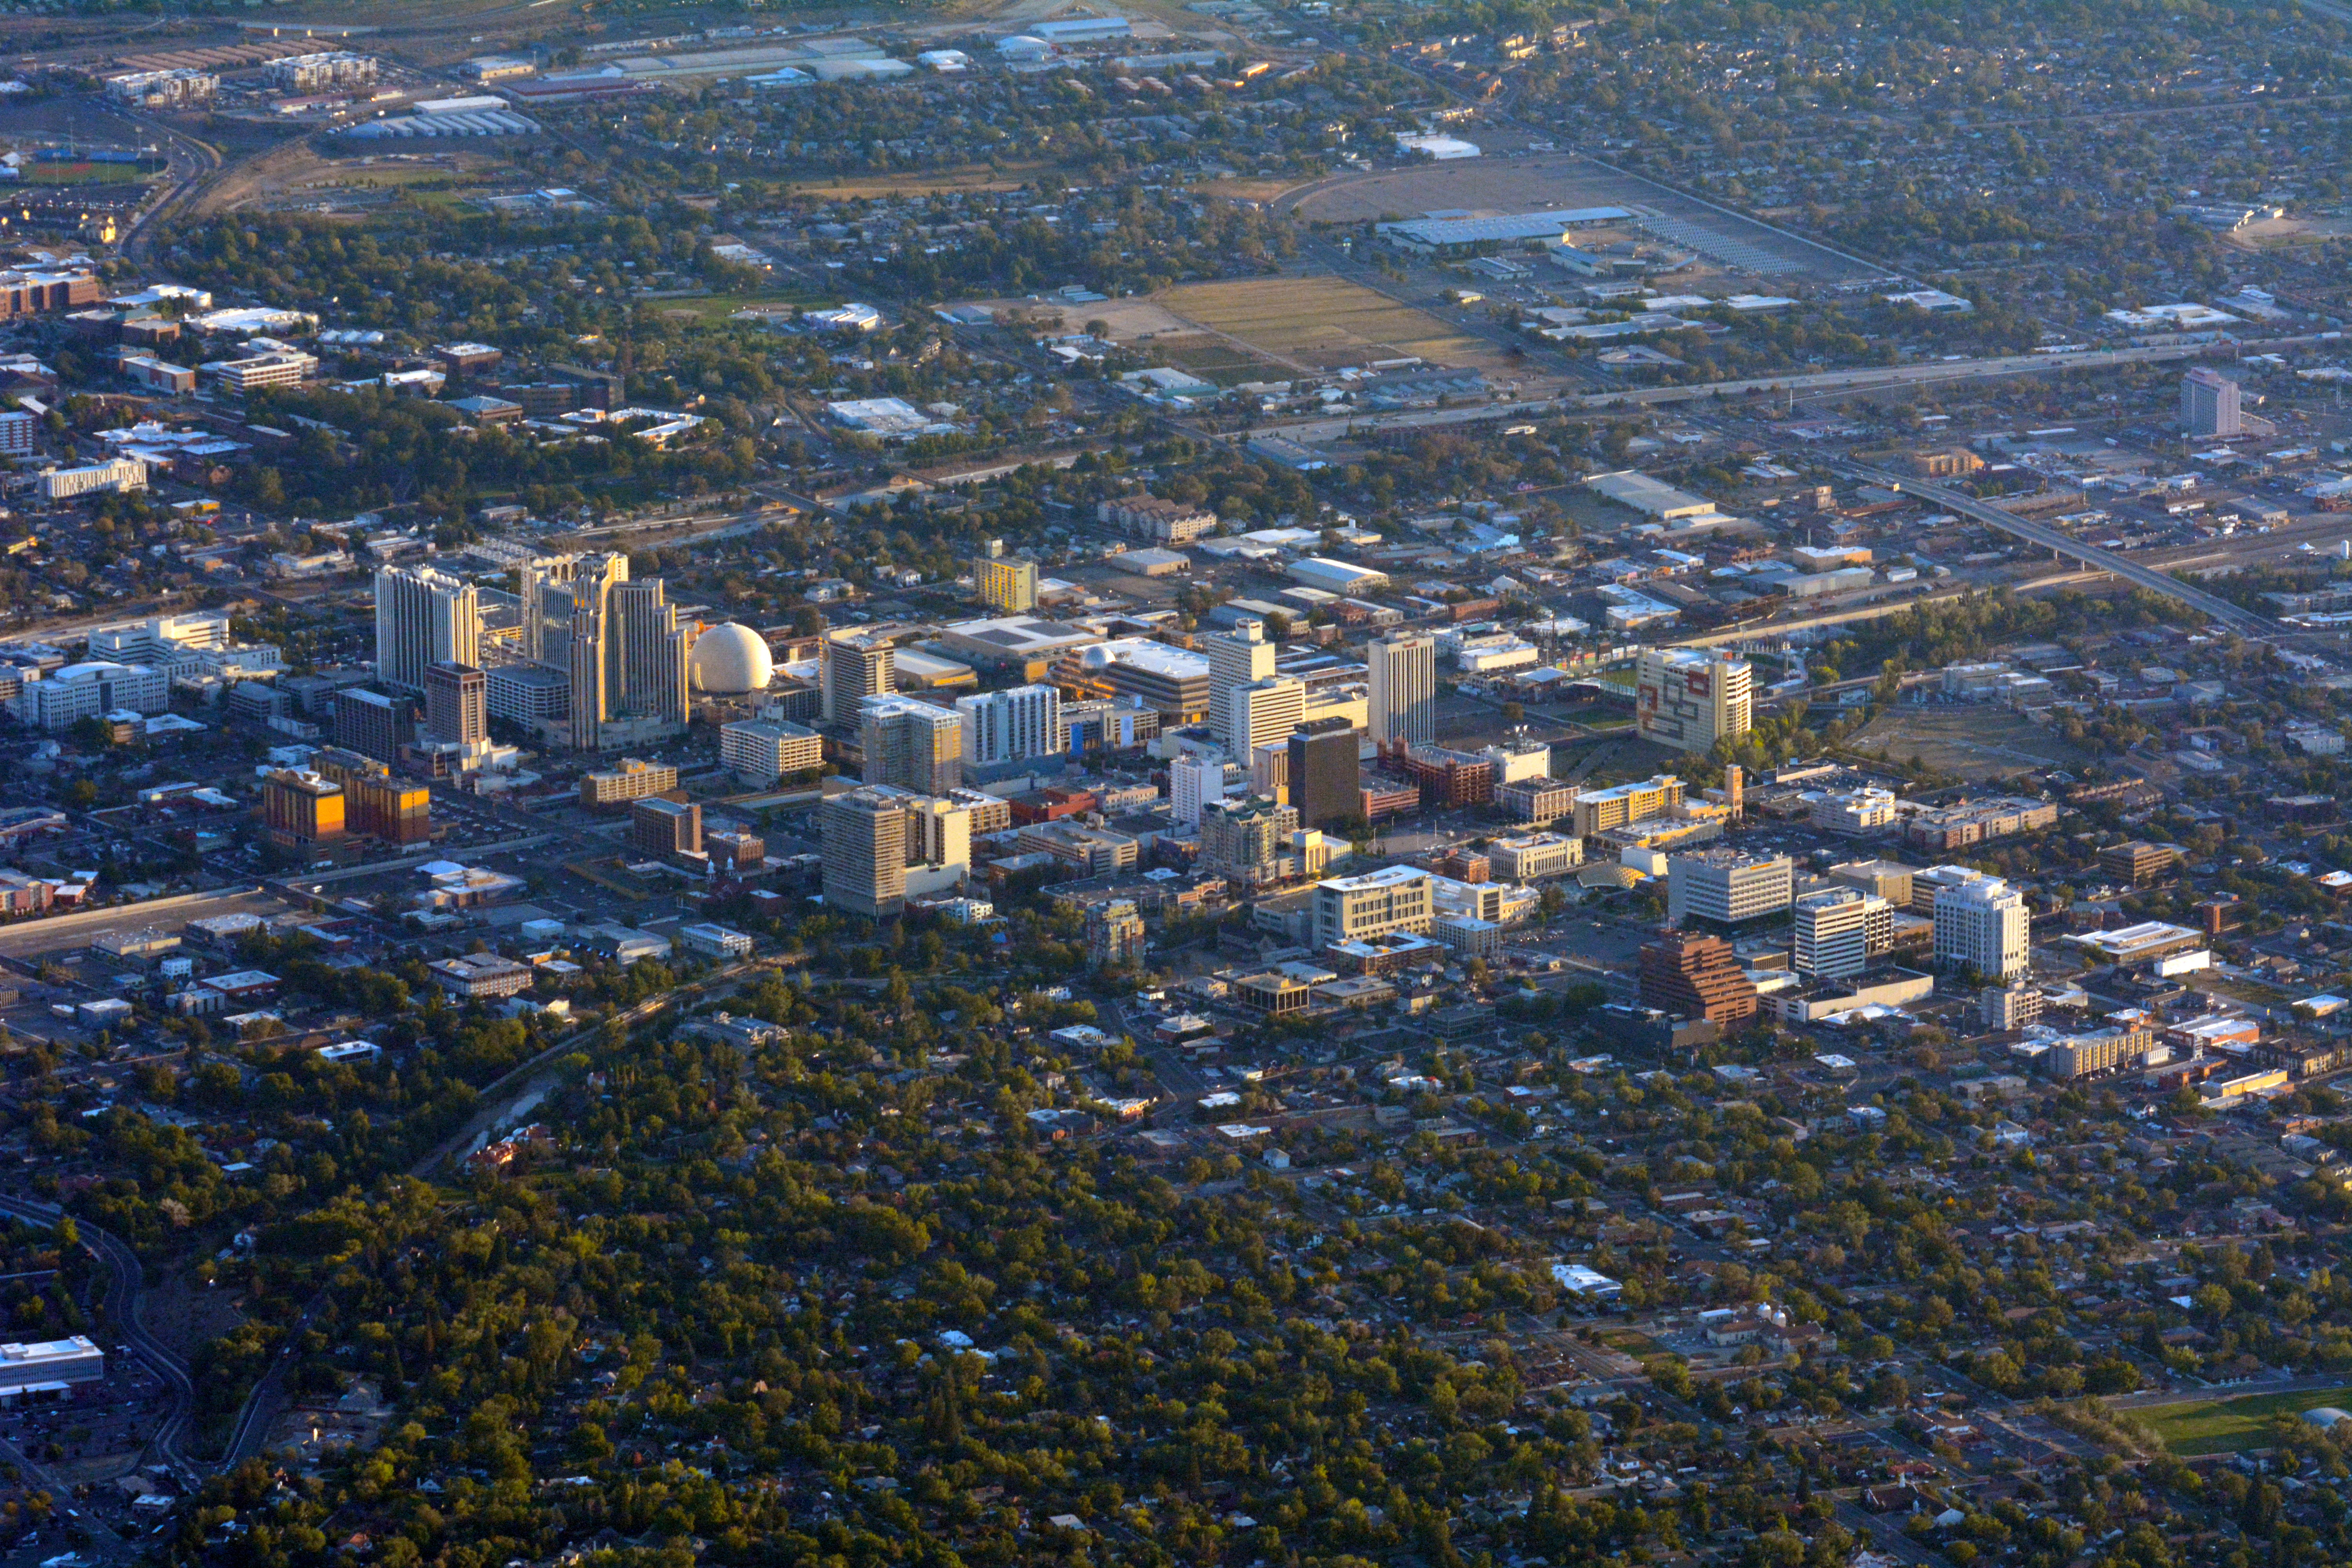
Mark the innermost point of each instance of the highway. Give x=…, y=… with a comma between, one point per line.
x=2245, y=623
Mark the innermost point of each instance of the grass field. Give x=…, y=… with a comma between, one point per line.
x=1322, y=323
x=2225, y=1426
x=980, y=177
x=86, y=174
x=718, y=307
x=1977, y=743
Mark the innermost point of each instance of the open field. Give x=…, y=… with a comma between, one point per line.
x=718, y=307
x=1977, y=743
x=86, y=174
x=975, y=177
x=1323, y=323
x=2225, y=1426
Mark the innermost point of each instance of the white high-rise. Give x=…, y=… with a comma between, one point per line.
x=1241, y=657
x=1983, y=924
x=423, y=617
x=1012, y=726
x=1193, y=783
x=1839, y=931
x=1727, y=886
x=1265, y=712
x=1402, y=687
x=1689, y=698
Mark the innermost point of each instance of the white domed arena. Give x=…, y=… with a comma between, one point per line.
x=730, y=660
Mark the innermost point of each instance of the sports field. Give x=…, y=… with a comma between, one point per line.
x=1323, y=323
x=2225, y=1426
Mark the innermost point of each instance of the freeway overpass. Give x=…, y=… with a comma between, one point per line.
x=2245, y=623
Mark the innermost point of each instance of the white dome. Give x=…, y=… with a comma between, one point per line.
x=1022, y=45
x=730, y=660
x=2325, y=1415
x=1096, y=658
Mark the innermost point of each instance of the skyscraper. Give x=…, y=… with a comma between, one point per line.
x=653, y=653
x=1689, y=699
x=2209, y=403
x=1402, y=687
x=546, y=595
x=1264, y=713
x=625, y=648
x=422, y=616
x=374, y=724
x=1835, y=934
x=1011, y=726
x=855, y=668
x=1236, y=657
x=456, y=698
x=1194, y=782
x=862, y=847
x=1325, y=773
x=1983, y=924
x=911, y=743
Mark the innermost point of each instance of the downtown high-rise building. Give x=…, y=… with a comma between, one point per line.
x=1238, y=658
x=853, y=669
x=2209, y=403
x=423, y=617
x=1402, y=688
x=627, y=651
x=457, y=702
x=1011, y=726
x=911, y=744
x=862, y=846
x=1325, y=773
x=1982, y=924
x=1690, y=698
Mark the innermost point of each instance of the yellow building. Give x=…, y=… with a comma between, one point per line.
x=300, y=807
x=1007, y=583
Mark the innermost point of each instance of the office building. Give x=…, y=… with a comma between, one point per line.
x=1114, y=933
x=50, y=1363
x=1598, y=811
x=1840, y=931
x=664, y=829
x=1981, y=924
x=1011, y=726
x=911, y=743
x=2209, y=403
x=1005, y=583
x=852, y=669
x=1694, y=976
x=374, y=724
x=2001, y=1008
x=1888, y=880
x=456, y=704
x=1194, y=784
x=1241, y=657
x=1402, y=688
x=78, y=691
x=1173, y=682
x=423, y=617
x=862, y=847
x=2139, y=862
x=1534, y=856
x=1537, y=800
x=1690, y=698
x=300, y=808
x=1325, y=780
x=1264, y=713
x=1727, y=887
x=1375, y=904
x=1247, y=839
x=760, y=751
x=635, y=779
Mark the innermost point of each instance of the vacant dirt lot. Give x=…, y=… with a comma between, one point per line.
x=1977, y=743
x=1322, y=323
